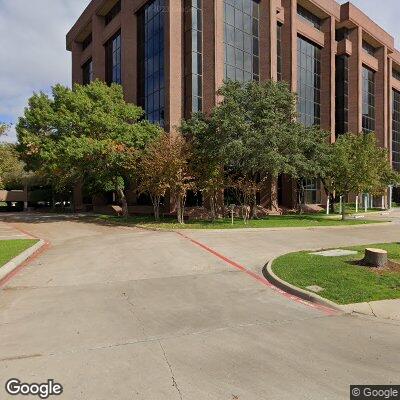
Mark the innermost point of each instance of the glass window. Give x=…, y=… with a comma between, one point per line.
x=396, y=74
x=396, y=131
x=368, y=48
x=312, y=193
x=115, y=10
x=342, y=94
x=113, y=59
x=87, y=41
x=368, y=100
x=308, y=82
x=193, y=56
x=151, y=60
x=342, y=33
x=279, y=51
x=308, y=17
x=87, y=72
x=241, y=40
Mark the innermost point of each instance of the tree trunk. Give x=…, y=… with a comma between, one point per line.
x=181, y=209
x=253, y=212
x=300, y=192
x=212, y=206
x=124, y=203
x=274, y=194
x=156, y=206
x=332, y=203
x=343, y=209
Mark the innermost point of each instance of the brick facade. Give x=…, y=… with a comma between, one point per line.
x=333, y=17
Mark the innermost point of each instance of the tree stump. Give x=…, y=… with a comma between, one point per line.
x=375, y=258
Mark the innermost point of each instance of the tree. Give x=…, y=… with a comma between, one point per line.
x=11, y=167
x=165, y=166
x=3, y=128
x=250, y=134
x=308, y=155
x=357, y=164
x=205, y=162
x=153, y=172
x=85, y=135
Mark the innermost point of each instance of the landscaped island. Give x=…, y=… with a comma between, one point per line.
x=273, y=221
x=11, y=248
x=343, y=279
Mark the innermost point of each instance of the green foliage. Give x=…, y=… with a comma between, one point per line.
x=86, y=135
x=11, y=167
x=343, y=280
x=253, y=135
x=273, y=221
x=165, y=166
x=357, y=164
x=3, y=128
x=11, y=248
x=205, y=164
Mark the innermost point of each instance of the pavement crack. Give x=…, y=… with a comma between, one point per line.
x=373, y=313
x=174, y=383
x=132, y=311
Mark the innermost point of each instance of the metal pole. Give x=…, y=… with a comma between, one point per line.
x=327, y=205
x=390, y=197
x=356, y=204
x=365, y=202
x=341, y=205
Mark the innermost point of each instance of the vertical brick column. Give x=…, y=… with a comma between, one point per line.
x=268, y=40
x=209, y=42
x=381, y=95
x=129, y=53
x=289, y=43
x=355, y=82
x=389, y=105
x=98, y=52
x=76, y=62
x=328, y=88
x=174, y=52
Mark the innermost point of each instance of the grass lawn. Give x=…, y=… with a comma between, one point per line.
x=270, y=222
x=11, y=248
x=342, y=280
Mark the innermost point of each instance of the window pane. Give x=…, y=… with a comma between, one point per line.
x=241, y=39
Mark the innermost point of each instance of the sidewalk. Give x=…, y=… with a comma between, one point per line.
x=7, y=232
x=387, y=309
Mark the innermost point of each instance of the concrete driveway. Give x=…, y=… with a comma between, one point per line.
x=122, y=313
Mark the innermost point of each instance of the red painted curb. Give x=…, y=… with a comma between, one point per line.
x=259, y=278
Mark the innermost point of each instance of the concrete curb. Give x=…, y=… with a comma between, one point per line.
x=9, y=267
x=294, y=290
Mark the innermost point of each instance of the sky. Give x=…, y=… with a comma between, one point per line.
x=33, y=55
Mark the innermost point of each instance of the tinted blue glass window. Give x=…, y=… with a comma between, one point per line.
x=115, y=10
x=396, y=131
x=87, y=72
x=396, y=74
x=368, y=100
x=308, y=82
x=193, y=56
x=241, y=40
x=87, y=41
x=342, y=94
x=151, y=60
x=113, y=60
x=308, y=17
x=368, y=48
x=279, y=51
